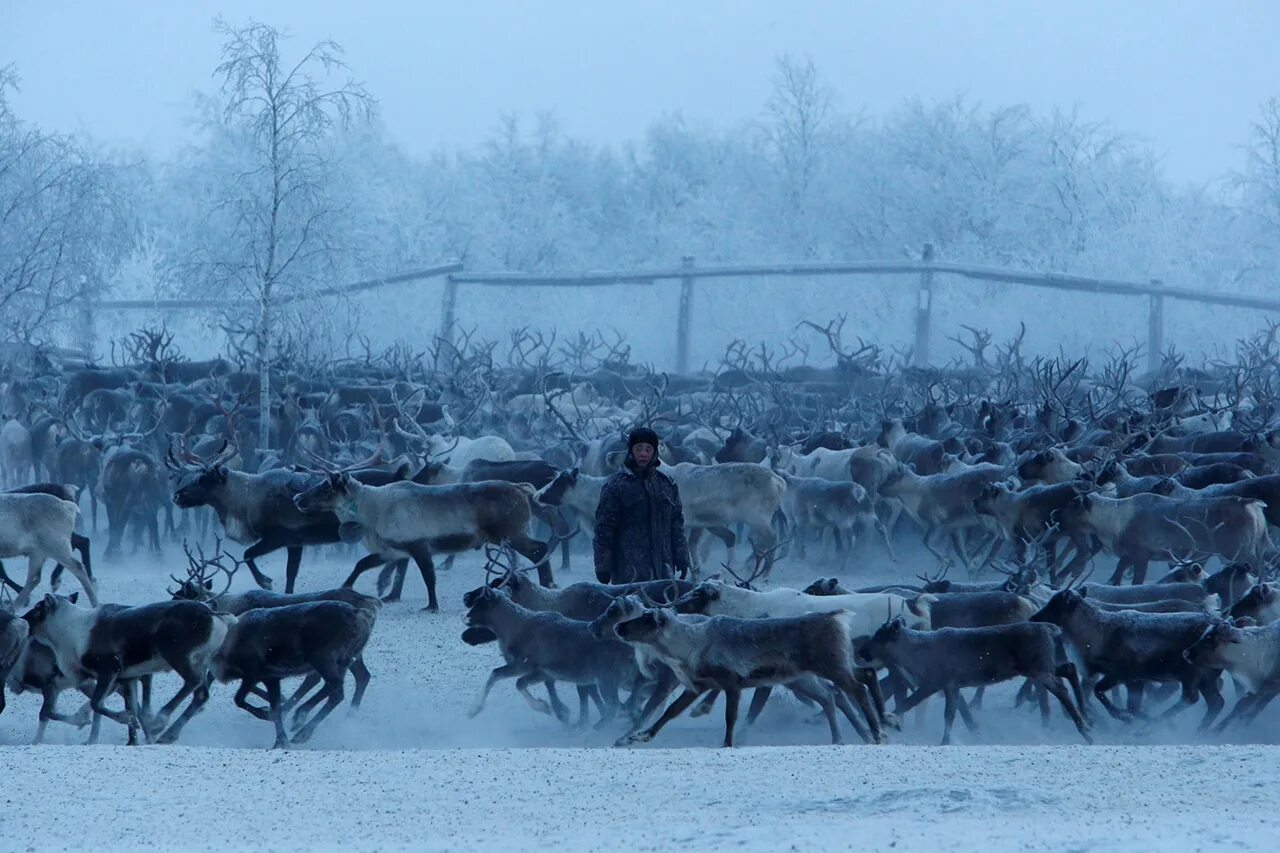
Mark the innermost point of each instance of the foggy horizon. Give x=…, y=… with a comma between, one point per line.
x=1185, y=80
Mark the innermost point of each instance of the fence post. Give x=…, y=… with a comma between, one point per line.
x=684, y=322
x=447, y=312
x=924, y=306
x=1155, y=327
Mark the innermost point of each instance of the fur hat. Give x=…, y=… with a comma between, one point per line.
x=642, y=435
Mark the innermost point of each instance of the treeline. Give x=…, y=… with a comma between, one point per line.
x=252, y=210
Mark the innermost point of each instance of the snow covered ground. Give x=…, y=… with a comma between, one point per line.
x=411, y=770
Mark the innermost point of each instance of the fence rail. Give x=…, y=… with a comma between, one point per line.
x=927, y=269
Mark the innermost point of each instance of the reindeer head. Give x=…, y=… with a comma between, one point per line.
x=1210, y=650
x=552, y=494
x=1060, y=607
x=479, y=601
x=699, y=599
x=1261, y=603
x=823, y=586
x=329, y=495
x=987, y=499
x=195, y=483
x=201, y=571
x=645, y=628
x=873, y=650
x=621, y=609
x=47, y=611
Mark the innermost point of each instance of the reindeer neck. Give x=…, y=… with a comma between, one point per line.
x=537, y=596
x=1089, y=620
x=507, y=618
x=1109, y=517
x=83, y=621
x=359, y=502
x=239, y=498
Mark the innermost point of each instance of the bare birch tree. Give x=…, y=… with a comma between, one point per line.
x=281, y=209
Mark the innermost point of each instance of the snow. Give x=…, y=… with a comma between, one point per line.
x=411, y=770
x=961, y=798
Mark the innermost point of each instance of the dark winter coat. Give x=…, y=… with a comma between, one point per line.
x=639, y=527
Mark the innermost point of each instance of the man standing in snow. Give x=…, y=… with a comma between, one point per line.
x=639, y=521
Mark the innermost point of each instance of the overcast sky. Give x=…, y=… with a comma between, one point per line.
x=1188, y=76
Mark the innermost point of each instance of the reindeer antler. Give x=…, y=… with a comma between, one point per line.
x=199, y=565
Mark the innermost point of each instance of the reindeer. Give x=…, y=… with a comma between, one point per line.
x=117, y=644
x=1250, y=654
x=540, y=645
x=717, y=497
x=812, y=504
x=321, y=639
x=1132, y=648
x=947, y=659
x=729, y=655
x=40, y=527
x=943, y=504
x=409, y=520
x=255, y=509
x=1146, y=527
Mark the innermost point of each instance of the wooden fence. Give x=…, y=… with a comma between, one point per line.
x=928, y=271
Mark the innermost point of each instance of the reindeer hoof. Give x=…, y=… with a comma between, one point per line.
x=264, y=583
x=431, y=608
x=638, y=737
x=389, y=599
x=893, y=721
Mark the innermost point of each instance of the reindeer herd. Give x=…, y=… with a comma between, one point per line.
x=1026, y=474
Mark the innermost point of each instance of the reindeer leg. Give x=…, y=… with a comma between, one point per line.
x=662, y=688
x=364, y=564
x=522, y=687
x=929, y=534
x=34, y=565
x=293, y=562
x=510, y=670
x=758, y=701
x=242, y=700
x=261, y=548
x=277, y=713
x=675, y=709
x=1100, y=691
x=8, y=581
x=391, y=580
x=422, y=556
x=1054, y=686
x=704, y=707
x=586, y=693
x=363, y=677
x=1117, y=577
x=732, y=696
x=951, y=695
x=558, y=708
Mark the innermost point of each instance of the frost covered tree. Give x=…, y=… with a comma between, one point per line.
x=798, y=116
x=277, y=216
x=61, y=229
x=1258, y=191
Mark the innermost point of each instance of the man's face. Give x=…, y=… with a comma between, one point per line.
x=643, y=453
